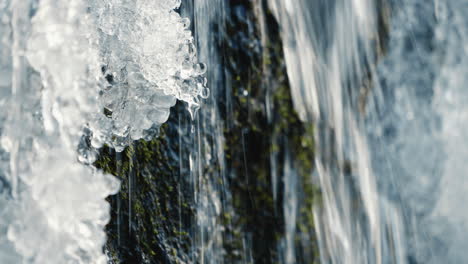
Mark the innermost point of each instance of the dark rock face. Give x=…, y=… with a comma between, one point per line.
x=151, y=215
x=154, y=216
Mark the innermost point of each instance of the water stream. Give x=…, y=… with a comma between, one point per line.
x=382, y=83
x=389, y=114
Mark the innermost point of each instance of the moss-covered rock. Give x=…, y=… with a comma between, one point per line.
x=264, y=129
x=153, y=217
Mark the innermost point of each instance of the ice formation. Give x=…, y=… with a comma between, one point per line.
x=149, y=60
x=112, y=66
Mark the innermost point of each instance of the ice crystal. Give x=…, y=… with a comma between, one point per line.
x=109, y=68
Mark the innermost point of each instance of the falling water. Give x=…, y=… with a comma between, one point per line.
x=207, y=156
x=382, y=81
x=423, y=131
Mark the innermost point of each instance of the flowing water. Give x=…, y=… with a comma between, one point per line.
x=389, y=112
x=382, y=81
x=208, y=136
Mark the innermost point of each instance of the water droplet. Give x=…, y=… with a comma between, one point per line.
x=205, y=93
x=185, y=22
x=199, y=68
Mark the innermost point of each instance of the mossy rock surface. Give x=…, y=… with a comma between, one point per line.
x=153, y=217
x=152, y=214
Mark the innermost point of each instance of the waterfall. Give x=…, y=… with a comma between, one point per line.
x=425, y=115
x=326, y=45
x=382, y=82
x=335, y=126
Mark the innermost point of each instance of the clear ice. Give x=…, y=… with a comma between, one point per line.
x=110, y=69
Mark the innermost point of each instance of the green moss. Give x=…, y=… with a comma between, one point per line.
x=254, y=137
x=154, y=211
x=146, y=212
